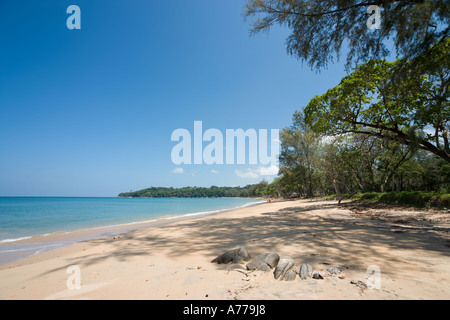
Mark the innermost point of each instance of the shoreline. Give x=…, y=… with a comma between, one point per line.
x=173, y=260
x=12, y=250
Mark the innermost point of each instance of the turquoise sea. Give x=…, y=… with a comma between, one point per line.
x=24, y=217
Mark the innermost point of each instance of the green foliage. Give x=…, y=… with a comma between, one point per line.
x=255, y=190
x=416, y=199
x=299, y=147
x=385, y=127
x=411, y=108
x=356, y=163
x=320, y=28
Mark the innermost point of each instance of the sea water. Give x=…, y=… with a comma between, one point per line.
x=25, y=217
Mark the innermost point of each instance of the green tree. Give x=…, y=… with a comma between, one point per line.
x=412, y=110
x=320, y=28
x=299, y=146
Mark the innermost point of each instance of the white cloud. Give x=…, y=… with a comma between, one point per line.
x=214, y=171
x=270, y=171
x=256, y=173
x=249, y=173
x=178, y=170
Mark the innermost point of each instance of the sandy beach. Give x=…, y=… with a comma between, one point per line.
x=409, y=247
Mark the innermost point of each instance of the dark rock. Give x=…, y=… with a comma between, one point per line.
x=239, y=255
x=306, y=271
x=285, y=270
x=264, y=262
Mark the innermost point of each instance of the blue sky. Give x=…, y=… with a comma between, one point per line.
x=90, y=112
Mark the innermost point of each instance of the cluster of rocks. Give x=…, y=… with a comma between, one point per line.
x=285, y=268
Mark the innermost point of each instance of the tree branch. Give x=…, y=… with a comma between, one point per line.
x=425, y=145
x=366, y=4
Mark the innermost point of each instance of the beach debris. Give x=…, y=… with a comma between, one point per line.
x=359, y=284
x=264, y=262
x=243, y=272
x=318, y=276
x=306, y=271
x=285, y=269
x=335, y=271
x=239, y=255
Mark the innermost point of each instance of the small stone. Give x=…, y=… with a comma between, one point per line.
x=233, y=256
x=264, y=267
x=306, y=271
x=317, y=276
x=285, y=270
x=335, y=271
x=264, y=262
x=237, y=259
x=290, y=275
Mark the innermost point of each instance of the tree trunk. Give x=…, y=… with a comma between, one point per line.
x=336, y=189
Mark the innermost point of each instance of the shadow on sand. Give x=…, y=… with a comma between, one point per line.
x=316, y=236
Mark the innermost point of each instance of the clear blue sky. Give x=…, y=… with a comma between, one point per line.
x=90, y=112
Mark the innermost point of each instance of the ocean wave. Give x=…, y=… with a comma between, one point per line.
x=14, y=239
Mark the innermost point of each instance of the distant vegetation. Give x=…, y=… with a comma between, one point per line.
x=255, y=190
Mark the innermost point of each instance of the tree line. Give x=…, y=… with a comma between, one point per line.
x=313, y=165
x=248, y=191
x=376, y=131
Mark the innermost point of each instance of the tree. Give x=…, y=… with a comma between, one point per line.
x=331, y=162
x=412, y=110
x=299, y=147
x=320, y=28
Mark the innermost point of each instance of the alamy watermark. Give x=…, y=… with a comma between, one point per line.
x=74, y=20
x=374, y=21
x=74, y=280
x=374, y=279
x=236, y=146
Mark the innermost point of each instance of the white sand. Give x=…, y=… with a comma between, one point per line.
x=173, y=261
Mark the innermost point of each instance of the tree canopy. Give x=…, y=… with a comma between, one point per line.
x=385, y=126
x=412, y=110
x=353, y=163
x=320, y=28
x=198, y=192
